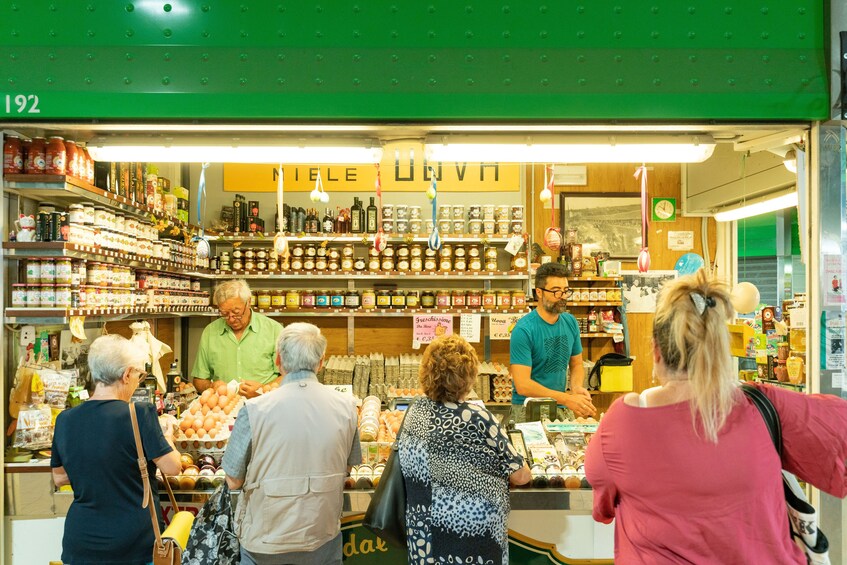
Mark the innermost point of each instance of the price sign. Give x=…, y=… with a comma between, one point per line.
x=343, y=389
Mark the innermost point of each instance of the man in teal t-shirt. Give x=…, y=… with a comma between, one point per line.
x=545, y=347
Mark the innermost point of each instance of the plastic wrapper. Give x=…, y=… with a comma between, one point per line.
x=56, y=386
x=35, y=428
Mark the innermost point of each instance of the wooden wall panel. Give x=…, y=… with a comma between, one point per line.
x=163, y=328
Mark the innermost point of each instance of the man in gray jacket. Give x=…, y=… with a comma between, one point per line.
x=290, y=451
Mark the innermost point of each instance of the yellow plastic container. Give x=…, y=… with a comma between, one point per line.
x=616, y=378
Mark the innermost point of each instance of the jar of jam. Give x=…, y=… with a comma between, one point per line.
x=322, y=251
x=416, y=264
x=322, y=299
x=474, y=299
x=352, y=299
x=459, y=264
x=412, y=300
x=320, y=263
x=307, y=299
x=292, y=299
x=490, y=254
x=489, y=300
x=416, y=250
x=359, y=264
x=518, y=299
x=48, y=271
x=504, y=300
x=445, y=265
x=346, y=264
x=278, y=300
x=373, y=263
x=403, y=264
x=332, y=265
x=368, y=299
x=261, y=266
x=388, y=251
x=296, y=264
x=460, y=251
x=311, y=251
x=334, y=254
x=347, y=251
x=19, y=295
x=13, y=157
x=519, y=262
x=273, y=266
x=473, y=251
x=427, y=299
x=36, y=157
x=296, y=250
x=336, y=298
x=254, y=300
x=398, y=299
x=442, y=299
x=458, y=299
x=262, y=255
x=383, y=299
x=475, y=264
x=249, y=254
x=403, y=251
x=264, y=299
x=491, y=266
x=446, y=250
x=237, y=253
x=430, y=264
x=387, y=263
x=308, y=263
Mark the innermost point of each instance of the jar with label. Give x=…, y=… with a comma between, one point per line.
x=475, y=264
x=442, y=299
x=320, y=264
x=491, y=266
x=277, y=299
x=490, y=254
x=238, y=253
x=33, y=270
x=504, y=299
x=373, y=263
x=264, y=299
x=48, y=295
x=307, y=299
x=76, y=302
x=416, y=264
x=474, y=299
x=383, y=299
x=292, y=299
x=334, y=254
x=249, y=254
x=398, y=299
x=430, y=264
x=459, y=264
x=311, y=251
x=63, y=296
x=322, y=299
x=346, y=264
x=336, y=298
x=347, y=251
x=359, y=264
x=458, y=299
x=519, y=262
x=48, y=271
x=296, y=263
x=489, y=300
x=332, y=265
x=63, y=271
x=33, y=295
x=412, y=300
x=445, y=264
x=416, y=250
x=428, y=299
x=352, y=299
x=249, y=265
x=55, y=156
x=518, y=299
x=254, y=300
x=446, y=251
x=368, y=299
x=387, y=263
x=308, y=263
x=403, y=264
x=19, y=295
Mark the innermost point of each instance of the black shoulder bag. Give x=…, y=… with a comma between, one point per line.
x=386, y=514
x=802, y=516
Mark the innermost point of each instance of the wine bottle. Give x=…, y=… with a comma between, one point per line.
x=371, y=225
x=327, y=224
x=356, y=217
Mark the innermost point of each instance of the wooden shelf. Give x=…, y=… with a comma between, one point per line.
x=363, y=239
x=382, y=275
x=63, y=315
x=616, y=303
x=382, y=312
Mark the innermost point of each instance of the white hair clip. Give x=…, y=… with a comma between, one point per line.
x=702, y=302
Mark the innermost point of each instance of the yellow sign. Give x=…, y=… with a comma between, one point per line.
x=403, y=168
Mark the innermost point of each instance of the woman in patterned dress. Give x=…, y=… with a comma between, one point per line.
x=457, y=463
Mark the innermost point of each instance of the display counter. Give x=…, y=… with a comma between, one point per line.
x=545, y=526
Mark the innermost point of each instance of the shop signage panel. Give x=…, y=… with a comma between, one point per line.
x=403, y=169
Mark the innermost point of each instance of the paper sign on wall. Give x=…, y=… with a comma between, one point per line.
x=427, y=328
x=832, y=280
x=680, y=240
x=469, y=327
x=501, y=325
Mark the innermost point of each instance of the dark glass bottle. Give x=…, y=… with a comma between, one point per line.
x=301, y=220
x=356, y=217
x=312, y=222
x=327, y=224
x=371, y=217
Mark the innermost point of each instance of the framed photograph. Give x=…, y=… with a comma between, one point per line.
x=604, y=221
x=639, y=290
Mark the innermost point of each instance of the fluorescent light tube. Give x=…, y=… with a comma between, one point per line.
x=759, y=207
x=553, y=148
x=306, y=154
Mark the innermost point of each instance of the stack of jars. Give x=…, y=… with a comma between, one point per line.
x=159, y=290
x=53, y=156
x=399, y=258
x=48, y=283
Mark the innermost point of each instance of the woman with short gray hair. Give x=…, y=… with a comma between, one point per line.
x=94, y=452
x=300, y=347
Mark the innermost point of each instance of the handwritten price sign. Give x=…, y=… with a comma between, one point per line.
x=427, y=328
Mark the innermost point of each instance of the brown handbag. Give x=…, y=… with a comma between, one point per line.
x=165, y=551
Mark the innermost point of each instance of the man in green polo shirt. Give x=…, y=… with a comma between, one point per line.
x=239, y=346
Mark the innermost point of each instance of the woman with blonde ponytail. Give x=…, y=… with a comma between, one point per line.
x=687, y=468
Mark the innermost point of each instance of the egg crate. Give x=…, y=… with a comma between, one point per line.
x=191, y=445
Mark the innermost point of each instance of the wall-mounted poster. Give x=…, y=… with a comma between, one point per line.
x=641, y=289
x=604, y=221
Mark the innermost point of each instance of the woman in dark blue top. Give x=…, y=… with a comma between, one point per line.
x=94, y=452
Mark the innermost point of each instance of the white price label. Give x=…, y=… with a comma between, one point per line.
x=343, y=389
x=22, y=104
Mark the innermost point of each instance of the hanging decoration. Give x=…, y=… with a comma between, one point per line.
x=644, y=255
x=319, y=194
x=434, y=241
x=553, y=234
x=381, y=239
x=280, y=241
x=203, y=248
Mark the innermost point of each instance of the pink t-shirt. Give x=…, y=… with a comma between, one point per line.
x=678, y=498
